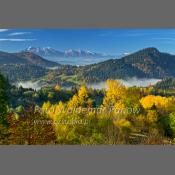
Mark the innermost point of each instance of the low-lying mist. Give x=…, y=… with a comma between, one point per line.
x=139, y=82
x=36, y=85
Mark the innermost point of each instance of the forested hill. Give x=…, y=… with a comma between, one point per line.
x=146, y=63
x=25, y=58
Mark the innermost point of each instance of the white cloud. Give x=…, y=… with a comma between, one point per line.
x=16, y=39
x=19, y=33
x=3, y=30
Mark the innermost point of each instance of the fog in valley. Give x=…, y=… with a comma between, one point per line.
x=36, y=85
x=101, y=85
x=144, y=82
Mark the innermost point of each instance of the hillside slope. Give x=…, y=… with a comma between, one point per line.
x=25, y=58
x=146, y=63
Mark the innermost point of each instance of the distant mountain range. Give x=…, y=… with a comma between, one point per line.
x=71, y=56
x=44, y=52
x=50, y=52
x=145, y=63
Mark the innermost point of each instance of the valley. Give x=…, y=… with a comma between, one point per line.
x=46, y=100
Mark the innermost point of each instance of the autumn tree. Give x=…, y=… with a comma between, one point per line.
x=115, y=91
x=151, y=101
x=80, y=99
x=57, y=88
x=31, y=128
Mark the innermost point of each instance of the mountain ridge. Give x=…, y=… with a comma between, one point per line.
x=25, y=58
x=48, y=51
x=71, y=56
x=145, y=63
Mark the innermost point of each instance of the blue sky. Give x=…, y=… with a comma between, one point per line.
x=109, y=41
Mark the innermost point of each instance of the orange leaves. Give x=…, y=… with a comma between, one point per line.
x=148, y=101
x=32, y=128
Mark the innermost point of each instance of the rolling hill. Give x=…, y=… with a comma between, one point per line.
x=25, y=58
x=146, y=63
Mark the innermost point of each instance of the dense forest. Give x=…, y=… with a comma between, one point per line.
x=65, y=110
x=81, y=115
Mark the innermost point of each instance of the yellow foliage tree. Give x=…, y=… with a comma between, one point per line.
x=79, y=99
x=115, y=92
x=53, y=110
x=46, y=106
x=122, y=123
x=74, y=102
x=57, y=88
x=82, y=94
x=152, y=116
x=149, y=101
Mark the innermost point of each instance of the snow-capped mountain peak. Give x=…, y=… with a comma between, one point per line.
x=49, y=51
x=44, y=52
x=77, y=55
